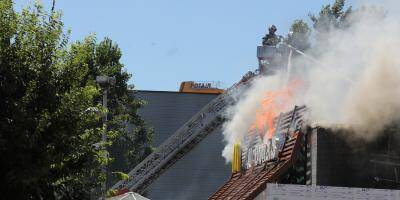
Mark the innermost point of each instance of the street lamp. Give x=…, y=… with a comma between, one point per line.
x=105, y=82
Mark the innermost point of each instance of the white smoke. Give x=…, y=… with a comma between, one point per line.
x=242, y=114
x=355, y=84
x=360, y=90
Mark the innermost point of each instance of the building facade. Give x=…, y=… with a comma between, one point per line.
x=199, y=172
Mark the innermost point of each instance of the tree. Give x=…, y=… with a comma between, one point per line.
x=50, y=127
x=331, y=17
x=299, y=35
x=134, y=138
x=329, y=20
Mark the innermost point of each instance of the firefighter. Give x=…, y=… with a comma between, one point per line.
x=271, y=39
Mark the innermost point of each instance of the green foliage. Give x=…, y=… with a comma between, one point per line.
x=130, y=144
x=50, y=126
x=335, y=18
x=121, y=176
x=111, y=193
x=331, y=17
x=299, y=35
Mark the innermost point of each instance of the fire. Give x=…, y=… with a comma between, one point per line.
x=273, y=103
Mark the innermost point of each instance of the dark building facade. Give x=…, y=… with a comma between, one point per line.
x=167, y=111
x=321, y=157
x=199, y=172
x=337, y=159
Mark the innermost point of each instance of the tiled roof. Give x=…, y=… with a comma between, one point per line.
x=248, y=184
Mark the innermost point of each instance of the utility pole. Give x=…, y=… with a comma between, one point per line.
x=105, y=82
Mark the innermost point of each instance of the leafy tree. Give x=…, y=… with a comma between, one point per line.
x=331, y=17
x=46, y=132
x=50, y=125
x=336, y=17
x=133, y=142
x=299, y=35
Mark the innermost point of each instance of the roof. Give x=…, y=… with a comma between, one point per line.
x=248, y=184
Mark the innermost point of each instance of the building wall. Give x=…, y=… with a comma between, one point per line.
x=344, y=161
x=168, y=111
x=199, y=173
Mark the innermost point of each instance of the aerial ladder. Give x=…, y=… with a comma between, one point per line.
x=182, y=141
x=195, y=129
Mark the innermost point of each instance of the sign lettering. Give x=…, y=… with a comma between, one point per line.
x=261, y=153
x=202, y=85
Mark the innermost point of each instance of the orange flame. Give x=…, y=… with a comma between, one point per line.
x=274, y=103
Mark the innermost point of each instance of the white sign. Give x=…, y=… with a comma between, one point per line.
x=261, y=153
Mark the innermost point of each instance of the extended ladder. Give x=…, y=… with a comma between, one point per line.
x=204, y=122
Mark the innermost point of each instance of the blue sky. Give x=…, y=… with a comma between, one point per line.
x=165, y=42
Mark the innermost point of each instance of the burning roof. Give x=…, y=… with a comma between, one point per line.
x=257, y=169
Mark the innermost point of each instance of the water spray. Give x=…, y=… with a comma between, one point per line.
x=313, y=60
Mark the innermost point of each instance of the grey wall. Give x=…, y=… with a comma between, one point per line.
x=168, y=111
x=199, y=173
x=195, y=176
x=351, y=162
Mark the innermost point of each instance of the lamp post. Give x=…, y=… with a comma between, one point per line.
x=105, y=82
